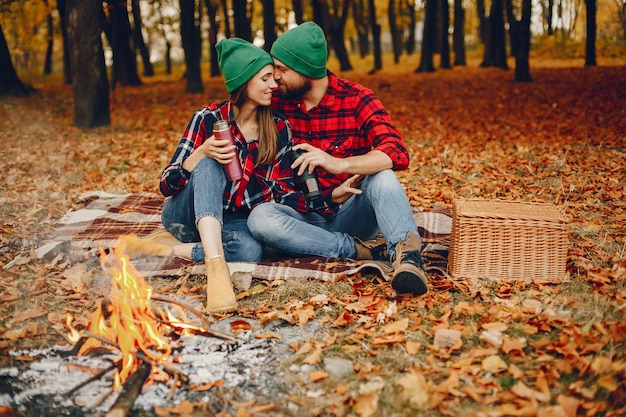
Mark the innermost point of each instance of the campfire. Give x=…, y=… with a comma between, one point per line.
x=142, y=336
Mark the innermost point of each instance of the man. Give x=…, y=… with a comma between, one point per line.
x=353, y=146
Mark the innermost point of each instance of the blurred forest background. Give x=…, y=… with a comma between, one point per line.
x=97, y=46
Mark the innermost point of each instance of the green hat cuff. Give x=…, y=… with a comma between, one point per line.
x=309, y=69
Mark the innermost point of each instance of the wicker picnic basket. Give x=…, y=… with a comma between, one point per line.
x=508, y=240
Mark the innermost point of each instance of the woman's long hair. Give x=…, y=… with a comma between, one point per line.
x=268, y=134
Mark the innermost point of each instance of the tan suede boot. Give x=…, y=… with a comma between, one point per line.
x=409, y=275
x=371, y=249
x=220, y=296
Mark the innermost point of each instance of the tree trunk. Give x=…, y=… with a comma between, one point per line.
x=138, y=41
x=190, y=36
x=124, y=61
x=410, y=40
x=226, y=19
x=395, y=33
x=90, y=86
x=67, y=71
x=444, y=41
x=10, y=84
x=520, y=33
x=495, y=48
x=550, y=16
x=242, y=24
x=458, y=36
x=378, y=59
x=47, y=66
x=269, y=24
x=213, y=30
x=336, y=29
x=360, y=24
x=428, y=37
x=590, y=44
x=481, y=11
x=298, y=11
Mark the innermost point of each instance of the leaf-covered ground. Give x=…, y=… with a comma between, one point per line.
x=500, y=349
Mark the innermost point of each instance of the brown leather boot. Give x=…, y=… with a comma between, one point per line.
x=220, y=296
x=409, y=275
x=371, y=249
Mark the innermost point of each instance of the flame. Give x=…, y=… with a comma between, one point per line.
x=127, y=320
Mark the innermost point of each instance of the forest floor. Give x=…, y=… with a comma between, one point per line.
x=525, y=348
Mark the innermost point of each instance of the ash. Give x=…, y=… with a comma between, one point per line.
x=56, y=384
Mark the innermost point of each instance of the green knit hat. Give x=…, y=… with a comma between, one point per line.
x=239, y=61
x=303, y=49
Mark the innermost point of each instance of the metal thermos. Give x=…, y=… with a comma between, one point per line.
x=308, y=182
x=221, y=130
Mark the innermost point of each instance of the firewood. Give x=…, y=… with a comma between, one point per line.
x=130, y=391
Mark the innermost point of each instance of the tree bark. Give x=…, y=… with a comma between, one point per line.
x=10, y=84
x=242, y=24
x=395, y=33
x=47, y=66
x=495, y=47
x=428, y=38
x=481, y=11
x=360, y=24
x=444, y=41
x=67, y=71
x=410, y=40
x=90, y=84
x=458, y=36
x=590, y=43
x=226, y=19
x=124, y=60
x=148, y=70
x=336, y=29
x=269, y=24
x=213, y=30
x=191, y=40
x=298, y=11
x=520, y=37
x=378, y=59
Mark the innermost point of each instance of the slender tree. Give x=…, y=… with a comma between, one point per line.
x=10, y=84
x=428, y=38
x=90, y=84
x=590, y=43
x=67, y=71
x=495, y=46
x=410, y=39
x=212, y=7
x=226, y=19
x=336, y=25
x=192, y=45
x=481, y=11
x=298, y=11
x=444, y=41
x=396, y=44
x=118, y=32
x=242, y=23
x=520, y=33
x=47, y=66
x=378, y=59
x=458, y=35
x=359, y=18
x=138, y=41
x=269, y=23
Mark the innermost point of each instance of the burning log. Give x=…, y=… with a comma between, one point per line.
x=180, y=376
x=130, y=391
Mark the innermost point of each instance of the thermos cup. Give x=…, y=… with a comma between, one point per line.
x=221, y=130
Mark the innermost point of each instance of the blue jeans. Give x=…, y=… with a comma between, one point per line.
x=203, y=197
x=382, y=207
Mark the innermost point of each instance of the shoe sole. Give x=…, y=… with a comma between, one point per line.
x=409, y=282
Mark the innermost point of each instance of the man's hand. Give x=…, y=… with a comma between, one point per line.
x=347, y=189
x=314, y=157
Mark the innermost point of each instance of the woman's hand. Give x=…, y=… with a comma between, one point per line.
x=347, y=189
x=218, y=149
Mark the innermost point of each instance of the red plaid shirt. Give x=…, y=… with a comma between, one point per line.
x=349, y=121
x=261, y=184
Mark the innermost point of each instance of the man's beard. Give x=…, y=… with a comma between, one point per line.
x=294, y=92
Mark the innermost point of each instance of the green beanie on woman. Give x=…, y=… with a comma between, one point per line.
x=239, y=61
x=303, y=49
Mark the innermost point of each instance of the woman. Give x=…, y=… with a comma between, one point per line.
x=207, y=212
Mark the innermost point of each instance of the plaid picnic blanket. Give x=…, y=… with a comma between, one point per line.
x=83, y=234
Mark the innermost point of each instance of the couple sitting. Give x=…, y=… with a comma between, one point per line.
x=278, y=102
